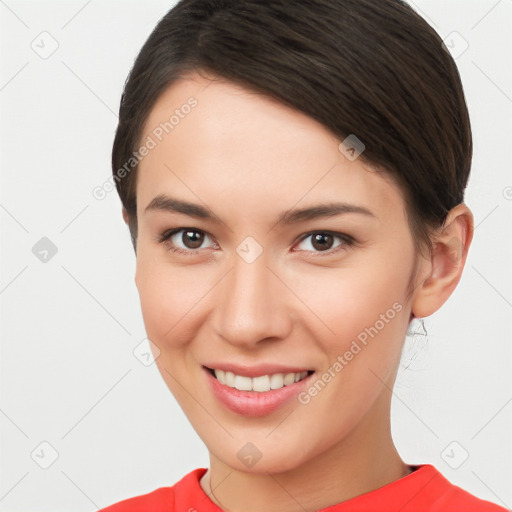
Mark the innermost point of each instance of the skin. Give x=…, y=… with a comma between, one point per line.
x=247, y=158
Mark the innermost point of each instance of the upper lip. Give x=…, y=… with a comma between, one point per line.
x=256, y=370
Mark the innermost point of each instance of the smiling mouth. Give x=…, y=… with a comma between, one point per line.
x=259, y=384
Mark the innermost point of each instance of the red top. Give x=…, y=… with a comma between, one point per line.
x=425, y=489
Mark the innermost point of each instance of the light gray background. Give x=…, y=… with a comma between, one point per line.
x=69, y=377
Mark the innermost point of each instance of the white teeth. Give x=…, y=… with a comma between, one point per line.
x=243, y=383
x=289, y=378
x=276, y=381
x=259, y=384
x=229, y=379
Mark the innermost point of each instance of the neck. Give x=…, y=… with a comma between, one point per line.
x=361, y=462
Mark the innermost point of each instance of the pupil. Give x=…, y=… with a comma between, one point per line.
x=195, y=238
x=320, y=237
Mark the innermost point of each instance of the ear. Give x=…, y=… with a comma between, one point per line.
x=440, y=274
x=125, y=215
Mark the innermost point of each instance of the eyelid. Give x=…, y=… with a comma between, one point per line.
x=347, y=240
x=166, y=235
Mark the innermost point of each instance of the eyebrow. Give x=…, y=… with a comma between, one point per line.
x=170, y=204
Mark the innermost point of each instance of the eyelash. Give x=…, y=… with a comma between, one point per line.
x=347, y=240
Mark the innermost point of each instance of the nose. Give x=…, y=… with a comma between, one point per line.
x=252, y=304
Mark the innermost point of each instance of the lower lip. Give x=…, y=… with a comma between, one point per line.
x=254, y=403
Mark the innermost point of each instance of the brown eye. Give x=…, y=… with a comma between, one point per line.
x=323, y=242
x=192, y=239
x=186, y=241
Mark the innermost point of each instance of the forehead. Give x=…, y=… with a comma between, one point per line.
x=215, y=140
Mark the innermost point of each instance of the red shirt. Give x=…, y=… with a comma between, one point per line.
x=423, y=490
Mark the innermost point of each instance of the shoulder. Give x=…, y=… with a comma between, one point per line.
x=448, y=497
x=457, y=499
x=159, y=500
x=423, y=490
x=162, y=499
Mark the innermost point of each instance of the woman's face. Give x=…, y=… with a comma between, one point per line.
x=253, y=287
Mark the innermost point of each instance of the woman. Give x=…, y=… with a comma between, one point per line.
x=293, y=175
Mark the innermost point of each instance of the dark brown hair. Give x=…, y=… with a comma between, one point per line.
x=375, y=69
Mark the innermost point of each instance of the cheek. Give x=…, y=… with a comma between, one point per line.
x=349, y=302
x=367, y=318
x=170, y=297
x=365, y=306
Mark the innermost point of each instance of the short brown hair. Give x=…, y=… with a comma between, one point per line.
x=375, y=69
